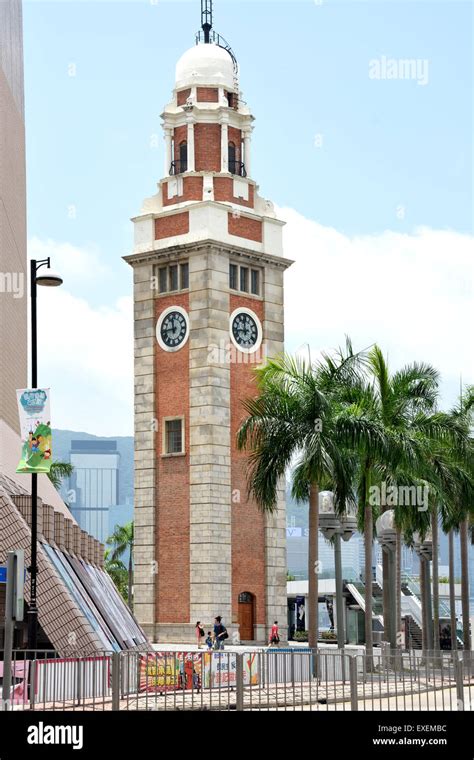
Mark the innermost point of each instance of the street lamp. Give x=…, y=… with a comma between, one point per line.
x=387, y=538
x=337, y=526
x=424, y=549
x=48, y=278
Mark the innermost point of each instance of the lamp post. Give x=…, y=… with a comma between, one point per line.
x=48, y=278
x=387, y=538
x=424, y=549
x=337, y=526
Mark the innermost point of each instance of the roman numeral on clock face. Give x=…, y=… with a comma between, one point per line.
x=245, y=330
x=173, y=330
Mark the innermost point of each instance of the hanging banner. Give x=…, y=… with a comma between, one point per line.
x=220, y=669
x=169, y=671
x=35, y=430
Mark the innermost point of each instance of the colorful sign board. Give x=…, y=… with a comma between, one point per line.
x=35, y=429
x=169, y=671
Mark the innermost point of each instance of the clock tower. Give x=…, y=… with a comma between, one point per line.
x=208, y=272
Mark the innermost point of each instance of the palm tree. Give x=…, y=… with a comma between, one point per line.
x=447, y=468
x=426, y=447
x=122, y=540
x=398, y=398
x=463, y=538
x=463, y=414
x=435, y=577
x=452, y=591
x=300, y=419
x=393, y=402
x=398, y=581
x=58, y=471
x=118, y=572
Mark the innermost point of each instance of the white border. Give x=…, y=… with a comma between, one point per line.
x=163, y=315
x=244, y=310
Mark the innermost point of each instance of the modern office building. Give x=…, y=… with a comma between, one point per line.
x=13, y=281
x=94, y=494
x=208, y=271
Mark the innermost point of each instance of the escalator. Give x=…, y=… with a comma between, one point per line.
x=357, y=590
x=411, y=609
x=411, y=605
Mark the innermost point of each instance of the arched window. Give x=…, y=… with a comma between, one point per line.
x=232, y=158
x=183, y=156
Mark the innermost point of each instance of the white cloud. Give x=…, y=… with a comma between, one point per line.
x=73, y=263
x=86, y=356
x=410, y=293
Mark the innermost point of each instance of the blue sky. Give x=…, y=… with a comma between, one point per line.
x=395, y=155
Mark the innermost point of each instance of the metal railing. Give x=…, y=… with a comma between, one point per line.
x=178, y=167
x=238, y=168
x=264, y=680
x=45, y=680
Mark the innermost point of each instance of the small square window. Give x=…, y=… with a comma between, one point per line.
x=233, y=277
x=174, y=277
x=184, y=274
x=163, y=279
x=255, y=282
x=244, y=279
x=174, y=437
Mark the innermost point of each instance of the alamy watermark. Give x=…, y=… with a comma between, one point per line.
x=226, y=353
x=12, y=282
x=400, y=69
x=399, y=496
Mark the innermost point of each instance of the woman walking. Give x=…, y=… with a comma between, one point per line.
x=199, y=634
x=274, y=639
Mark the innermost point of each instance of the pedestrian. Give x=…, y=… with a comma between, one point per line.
x=274, y=639
x=220, y=633
x=182, y=674
x=199, y=634
x=196, y=680
x=209, y=641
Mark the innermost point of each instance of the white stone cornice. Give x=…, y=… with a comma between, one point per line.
x=187, y=249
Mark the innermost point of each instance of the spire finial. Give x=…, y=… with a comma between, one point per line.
x=206, y=19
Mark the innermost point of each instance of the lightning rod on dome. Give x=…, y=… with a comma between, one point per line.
x=206, y=19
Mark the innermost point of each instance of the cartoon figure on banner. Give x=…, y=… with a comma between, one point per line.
x=35, y=426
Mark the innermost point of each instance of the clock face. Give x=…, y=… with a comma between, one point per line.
x=172, y=329
x=245, y=330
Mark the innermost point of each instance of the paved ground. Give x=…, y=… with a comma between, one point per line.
x=371, y=695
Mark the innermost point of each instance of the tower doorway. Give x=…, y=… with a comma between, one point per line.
x=246, y=616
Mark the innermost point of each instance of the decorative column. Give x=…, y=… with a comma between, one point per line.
x=168, y=146
x=247, y=141
x=225, y=143
x=191, y=160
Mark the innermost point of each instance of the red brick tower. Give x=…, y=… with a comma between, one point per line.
x=208, y=287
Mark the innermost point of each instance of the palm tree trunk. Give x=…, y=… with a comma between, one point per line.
x=313, y=568
x=368, y=539
x=463, y=537
x=386, y=591
x=130, y=580
x=398, y=582
x=424, y=612
x=386, y=596
x=435, y=579
x=452, y=591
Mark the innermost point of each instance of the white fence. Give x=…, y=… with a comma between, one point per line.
x=61, y=680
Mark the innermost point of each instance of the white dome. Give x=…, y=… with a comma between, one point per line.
x=205, y=64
